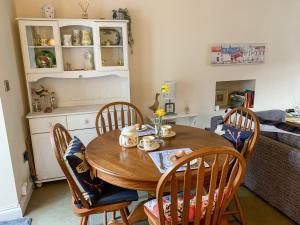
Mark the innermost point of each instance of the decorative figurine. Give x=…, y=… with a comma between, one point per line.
x=88, y=65
x=76, y=37
x=155, y=104
x=186, y=109
x=67, y=40
x=86, y=37
x=36, y=105
x=53, y=101
x=46, y=104
x=51, y=42
x=48, y=11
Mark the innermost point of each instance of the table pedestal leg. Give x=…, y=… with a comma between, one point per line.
x=136, y=215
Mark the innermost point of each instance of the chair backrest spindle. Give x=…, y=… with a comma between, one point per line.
x=112, y=116
x=223, y=184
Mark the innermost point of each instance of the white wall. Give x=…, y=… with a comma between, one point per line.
x=172, y=38
x=8, y=194
x=13, y=109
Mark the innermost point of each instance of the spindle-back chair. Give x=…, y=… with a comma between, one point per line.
x=223, y=185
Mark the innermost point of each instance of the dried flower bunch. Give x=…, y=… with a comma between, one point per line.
x=84, y=5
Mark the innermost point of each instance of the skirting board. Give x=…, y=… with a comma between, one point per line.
x=19, y=210
x=11, y=213
x=25, y=199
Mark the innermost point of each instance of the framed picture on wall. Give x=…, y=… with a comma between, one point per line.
x=221, y=98
x=243, y=53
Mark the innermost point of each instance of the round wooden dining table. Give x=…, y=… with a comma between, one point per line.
x=133, y=168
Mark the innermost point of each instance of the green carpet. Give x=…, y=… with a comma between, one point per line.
x=50, y=205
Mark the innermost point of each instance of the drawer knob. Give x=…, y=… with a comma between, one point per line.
x=86, y=121
x=80, y=76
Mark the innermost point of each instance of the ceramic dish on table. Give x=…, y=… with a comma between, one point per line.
x=154, y=146
x=173, y=159
x=142, y=128
x=170, y=135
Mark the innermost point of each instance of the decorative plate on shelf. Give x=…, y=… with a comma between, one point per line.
x=45, y=59
x=110, y=36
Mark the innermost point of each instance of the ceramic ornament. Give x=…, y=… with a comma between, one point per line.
x=48, y=11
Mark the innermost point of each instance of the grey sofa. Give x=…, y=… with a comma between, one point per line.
x=273, y=172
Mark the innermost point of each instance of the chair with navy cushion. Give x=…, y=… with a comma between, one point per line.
x=246, y=121
x=89, y=195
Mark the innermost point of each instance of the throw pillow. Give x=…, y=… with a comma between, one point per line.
x=239, y=138
x=91, y=187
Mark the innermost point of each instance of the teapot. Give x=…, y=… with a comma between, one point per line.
x=129, y=137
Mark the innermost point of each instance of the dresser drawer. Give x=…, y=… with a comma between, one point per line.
x=42, y=125
x=82, y=121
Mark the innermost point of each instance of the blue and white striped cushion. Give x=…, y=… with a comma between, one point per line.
x=91, y=187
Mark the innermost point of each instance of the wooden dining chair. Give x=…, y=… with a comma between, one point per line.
x=186, y=208
x=243, y=119
x=60, y=139
x=117, y=115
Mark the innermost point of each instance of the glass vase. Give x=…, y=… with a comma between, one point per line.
x=158, y=123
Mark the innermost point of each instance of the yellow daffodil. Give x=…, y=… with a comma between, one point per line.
x=165, y=88
x=160, y=112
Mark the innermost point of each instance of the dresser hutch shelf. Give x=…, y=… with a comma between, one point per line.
x=80, y=90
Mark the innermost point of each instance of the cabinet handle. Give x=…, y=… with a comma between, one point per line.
x=86, y=121
x=80, y=76
x=50, y=124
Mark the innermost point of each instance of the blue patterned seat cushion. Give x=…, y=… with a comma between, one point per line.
x=113, y=194
x=91, y=187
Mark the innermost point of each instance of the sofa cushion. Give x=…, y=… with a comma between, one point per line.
x=275, y=115
x=91, y=187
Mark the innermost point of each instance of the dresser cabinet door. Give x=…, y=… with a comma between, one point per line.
x=46, y=165
x=40, y=40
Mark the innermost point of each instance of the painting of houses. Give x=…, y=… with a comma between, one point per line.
x=222, y=54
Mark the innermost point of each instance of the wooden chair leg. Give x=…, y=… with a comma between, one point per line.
x=224, y=221
x=84, y=220
x=114, y=215
x=150, y=222
x=240, y=209
x=104, y=218
x=127, y=211
x=124, y=217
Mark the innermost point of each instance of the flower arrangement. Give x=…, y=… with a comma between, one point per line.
x=159, y=111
